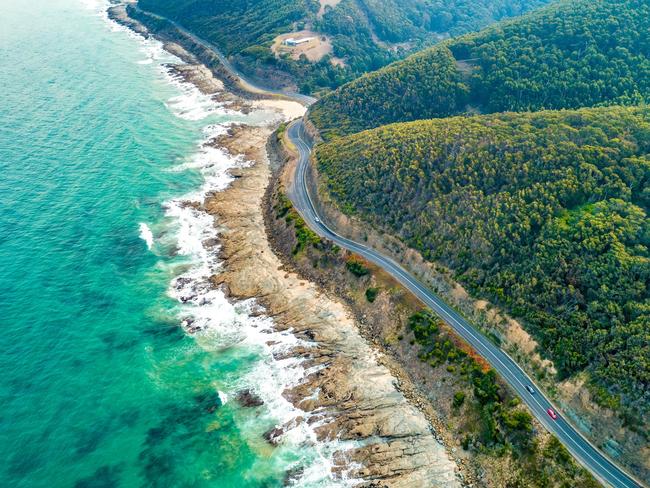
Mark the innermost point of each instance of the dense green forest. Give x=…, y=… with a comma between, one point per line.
x=366, y=34
x=545, y=213
x=234, y=25
x=571, y=54
x=399, y=21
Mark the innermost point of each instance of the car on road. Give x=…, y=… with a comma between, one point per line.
x=317, y=220
x=551, y=413
x=530, y=389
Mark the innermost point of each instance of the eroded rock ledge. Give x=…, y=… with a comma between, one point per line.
x=352, y=396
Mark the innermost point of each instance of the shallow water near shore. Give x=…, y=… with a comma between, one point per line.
x=101, y=261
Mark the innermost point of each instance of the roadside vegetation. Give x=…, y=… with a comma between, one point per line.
x=356, y=266
x=304, y=235
x=503, y=425
x=371, y=293
x=491, y=424
x=494, y=423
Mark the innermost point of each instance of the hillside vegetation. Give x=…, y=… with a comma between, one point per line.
x=405, y=20
x=545, y=213
x=365, y=34
x=571, y=54
x=233, y=25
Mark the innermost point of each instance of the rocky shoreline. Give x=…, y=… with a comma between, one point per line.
x=349, y=394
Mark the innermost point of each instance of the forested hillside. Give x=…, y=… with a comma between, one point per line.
x=571, y=54
x=365, y=34
x=252, y=21
x=405, y=20
x=545, y=213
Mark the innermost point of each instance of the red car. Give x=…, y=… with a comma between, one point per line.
x=551, y=413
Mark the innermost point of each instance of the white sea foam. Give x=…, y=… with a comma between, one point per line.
x=99, y=6
x=190, y=103
x=150, y=47
x=216, y=323
x=223, y=398
x=219, y=324
x=153, y=51
x=146, y=235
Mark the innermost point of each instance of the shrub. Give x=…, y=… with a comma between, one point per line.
x=424, y=326
x=356, y=267
x=304, y=235
x=371, y=294
x=459, y=399
x=556, y=451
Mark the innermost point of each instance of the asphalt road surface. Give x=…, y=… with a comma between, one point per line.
x=588, y=455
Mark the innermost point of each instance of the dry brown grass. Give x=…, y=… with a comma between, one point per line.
x=314, y=50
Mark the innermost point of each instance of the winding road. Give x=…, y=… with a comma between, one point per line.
x=586, y=453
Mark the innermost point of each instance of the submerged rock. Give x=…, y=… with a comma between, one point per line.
x=273, y=435
x=208, y=401
x=293, y=475
x=247, y=398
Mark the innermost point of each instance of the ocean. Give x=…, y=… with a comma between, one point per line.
x=101, y=262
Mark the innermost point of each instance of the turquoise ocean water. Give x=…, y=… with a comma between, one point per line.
x=100, y=385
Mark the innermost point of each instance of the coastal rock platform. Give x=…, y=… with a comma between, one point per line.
x=350, y=395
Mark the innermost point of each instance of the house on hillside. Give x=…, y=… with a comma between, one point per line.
x=296, y=42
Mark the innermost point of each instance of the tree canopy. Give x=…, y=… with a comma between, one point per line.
x=365, y=34
x=570, y=54
x=545, y=213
